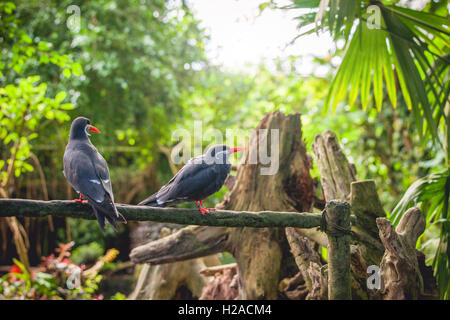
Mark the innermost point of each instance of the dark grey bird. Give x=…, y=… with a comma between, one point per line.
x=199, y=178
x=87, y=172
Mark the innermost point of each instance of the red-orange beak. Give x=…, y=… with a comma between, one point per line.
x=94, y=129
x=233, y=150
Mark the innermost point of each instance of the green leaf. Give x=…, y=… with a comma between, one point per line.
x=60, y=96
x=66, y=73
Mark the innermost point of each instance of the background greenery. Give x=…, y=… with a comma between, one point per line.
x=138, y=70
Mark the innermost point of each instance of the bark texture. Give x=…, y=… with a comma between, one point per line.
x=338, y=178
x=224, y=286
x=401, y=277
x=259, y=252
x=180, y=280
x=227, y=218
x=337, y=220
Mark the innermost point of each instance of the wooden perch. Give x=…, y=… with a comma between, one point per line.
x=337, y=228
x=219, y=218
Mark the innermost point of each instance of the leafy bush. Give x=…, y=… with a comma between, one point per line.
x=57, y=278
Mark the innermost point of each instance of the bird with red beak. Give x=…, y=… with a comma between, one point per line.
x=201, y=177
x=87, y=172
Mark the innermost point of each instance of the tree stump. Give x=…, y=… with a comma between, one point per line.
x=400, y=273
x=338, y=179
x=179, y=280
x=259, y=252
x=224, y=286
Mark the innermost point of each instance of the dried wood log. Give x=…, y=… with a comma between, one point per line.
x=294, y=288
x=319, y=282
x=259, y=252
x=400, y=273
x=335, y=171
x=165, y=281
x=211, y=271
x=187, y=243
x=303, y=254
x=338, y=182
x=224, y=286
x=366, y=207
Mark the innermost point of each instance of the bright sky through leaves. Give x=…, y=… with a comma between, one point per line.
x=240, y=36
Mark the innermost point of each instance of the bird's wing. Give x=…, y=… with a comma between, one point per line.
x=82, y=175
x=101, y=168
x=191, y=180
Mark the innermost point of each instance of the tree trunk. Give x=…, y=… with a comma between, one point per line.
x=400, y=270
x=259, y=252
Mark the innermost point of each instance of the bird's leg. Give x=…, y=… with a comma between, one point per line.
x=209, y=209
x=80, y=199
x=202, y=208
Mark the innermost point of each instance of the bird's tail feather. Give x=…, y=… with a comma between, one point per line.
x=100, y=218
x=150, y=201
x=103, y=216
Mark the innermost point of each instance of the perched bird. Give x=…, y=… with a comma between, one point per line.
x=200, y=177
x=87, y=172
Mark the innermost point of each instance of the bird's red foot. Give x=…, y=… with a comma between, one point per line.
x=81, y=200
x=202, y=208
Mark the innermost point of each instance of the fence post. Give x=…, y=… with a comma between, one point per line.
x=336, y=224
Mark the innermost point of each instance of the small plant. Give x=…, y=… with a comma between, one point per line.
x=56, y=278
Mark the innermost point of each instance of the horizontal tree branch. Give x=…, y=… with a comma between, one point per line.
x=219, y=218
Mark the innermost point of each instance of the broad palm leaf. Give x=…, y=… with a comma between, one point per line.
x=407, y=52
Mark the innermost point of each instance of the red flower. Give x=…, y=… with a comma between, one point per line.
x=14, y=269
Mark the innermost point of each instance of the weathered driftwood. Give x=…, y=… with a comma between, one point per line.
x=303, y=254
x=163, y=282
x=263, y=254
x=337, y=228
x=399, y=270
x=366, y=207
x=336, y=174
x=259, y=252
x=338, y=182
x=294, y=288
x=225, y=284
x=219, y=218
x=188, y=243
x=308, y=261
x=180, y=280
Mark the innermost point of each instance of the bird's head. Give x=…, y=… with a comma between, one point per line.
x=220, y=153
x=81, y=127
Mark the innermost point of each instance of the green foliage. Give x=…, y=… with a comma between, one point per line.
x=88, y=253
x=50, y=282
x=119, y=296
x=407, y=45
x=23, y=108
x=406, y=50
x=432, y=194
x=138, y=70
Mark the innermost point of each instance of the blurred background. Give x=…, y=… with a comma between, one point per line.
x=140, y=69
